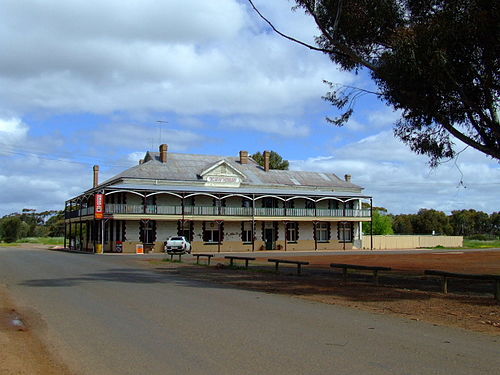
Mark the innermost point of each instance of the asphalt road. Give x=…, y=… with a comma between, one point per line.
x=107, y=315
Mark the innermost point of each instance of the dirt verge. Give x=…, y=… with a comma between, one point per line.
x=22, y=351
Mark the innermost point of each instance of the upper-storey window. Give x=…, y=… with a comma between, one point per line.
x=269, y=202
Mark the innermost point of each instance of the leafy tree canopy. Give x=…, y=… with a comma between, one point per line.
x=276, y=161
x=437, y=61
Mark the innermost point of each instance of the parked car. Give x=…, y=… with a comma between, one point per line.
x=177, y=245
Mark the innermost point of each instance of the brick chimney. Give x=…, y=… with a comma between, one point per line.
x=96, y=175
x=243, y=157
x=347, y=178
x=163, y=153
x=267, y=155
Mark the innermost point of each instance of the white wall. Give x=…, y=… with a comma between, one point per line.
x=131, y=230
x=232, y=231
x=165, y=229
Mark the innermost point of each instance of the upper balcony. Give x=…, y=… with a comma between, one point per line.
x=112, y=209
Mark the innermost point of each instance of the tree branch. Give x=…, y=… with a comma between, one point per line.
x=343, y=50
x=469, y=141
x=324, y=50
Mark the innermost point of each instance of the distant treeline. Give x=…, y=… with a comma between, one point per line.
x=470, y=223
x=30, y=223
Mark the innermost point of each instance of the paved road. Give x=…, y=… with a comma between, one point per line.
x=107, y=315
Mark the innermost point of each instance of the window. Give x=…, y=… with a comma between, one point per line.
x=345, y=232
x=211, y=232
x=310, y=204
x=246, y=231
x=147, y=231
x=269, y=202
x=333, y=205
x=322, y=232
x=292, y=231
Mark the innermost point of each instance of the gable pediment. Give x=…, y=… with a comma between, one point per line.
x=222, y=174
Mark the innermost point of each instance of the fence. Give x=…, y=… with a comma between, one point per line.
x=411, y=242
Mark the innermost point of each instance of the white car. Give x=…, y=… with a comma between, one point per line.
x=177, y=245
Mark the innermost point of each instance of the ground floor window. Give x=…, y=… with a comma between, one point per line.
x=345, y=232
x=292, y=231
x=147, y=231
x=185, y=229
x=246, y=231
x=211, y=232
x=322, y=232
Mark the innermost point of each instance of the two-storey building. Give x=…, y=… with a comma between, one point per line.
x=220, y=203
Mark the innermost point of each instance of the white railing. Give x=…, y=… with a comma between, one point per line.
x=113, y=208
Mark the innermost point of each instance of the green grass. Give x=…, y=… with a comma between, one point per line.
x=7, y=244
x=477, y=244
x=42, y=240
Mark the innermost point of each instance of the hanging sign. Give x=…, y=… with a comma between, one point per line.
x=99, y=206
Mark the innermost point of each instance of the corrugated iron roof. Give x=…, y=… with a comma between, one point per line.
x=187, y=167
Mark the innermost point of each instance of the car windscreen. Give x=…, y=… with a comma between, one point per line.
x=176, y=239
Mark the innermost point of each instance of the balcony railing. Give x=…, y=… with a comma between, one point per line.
x=112, y=208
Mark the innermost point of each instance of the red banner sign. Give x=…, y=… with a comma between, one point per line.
x=99, y=206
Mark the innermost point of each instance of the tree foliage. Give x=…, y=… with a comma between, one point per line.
x=11, y=228
x=437, y=61
x=381, y=222
x=30, y=223
x=276, y=161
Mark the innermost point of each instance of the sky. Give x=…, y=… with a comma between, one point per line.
x=86, y=82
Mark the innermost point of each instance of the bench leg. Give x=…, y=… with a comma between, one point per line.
x=445, y=284
x=298, y=269
x=171, y=257
x=497, y=290
x=246, y=263
x=276, y=267
x=344, y=274
x=197, y=259
x=180, y=257
x=208, y=262
x=231, y=262
x=375, y=277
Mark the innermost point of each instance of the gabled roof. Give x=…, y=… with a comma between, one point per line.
x=189, y=167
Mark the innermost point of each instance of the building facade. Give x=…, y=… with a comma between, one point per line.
x=219, y=204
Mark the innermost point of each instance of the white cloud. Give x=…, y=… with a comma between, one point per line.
x=284, y=127
x=403, y=182
x=12, y=131
x=190, y=57
x=136, y=137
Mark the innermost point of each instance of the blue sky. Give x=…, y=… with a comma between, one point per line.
x=85, y=82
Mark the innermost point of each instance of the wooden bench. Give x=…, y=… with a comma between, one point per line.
x=172, y=256
x=208, y=256
x=297, y=262
x=445, y=275
x=345, y=267
x=232, y=258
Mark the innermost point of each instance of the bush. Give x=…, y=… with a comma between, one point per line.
x=11, y=228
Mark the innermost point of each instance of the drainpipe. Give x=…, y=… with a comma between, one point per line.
x=253, y=222
x=371, y=223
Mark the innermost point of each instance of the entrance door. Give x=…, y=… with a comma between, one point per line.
x=269, y=238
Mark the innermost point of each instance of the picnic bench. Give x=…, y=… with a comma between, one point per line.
x=345, y=267
x=208, y=256
x=445, y=275
x=234, y=257
x=296, y=262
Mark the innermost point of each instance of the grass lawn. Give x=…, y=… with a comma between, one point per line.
x=477, y=244
x=43, y=240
